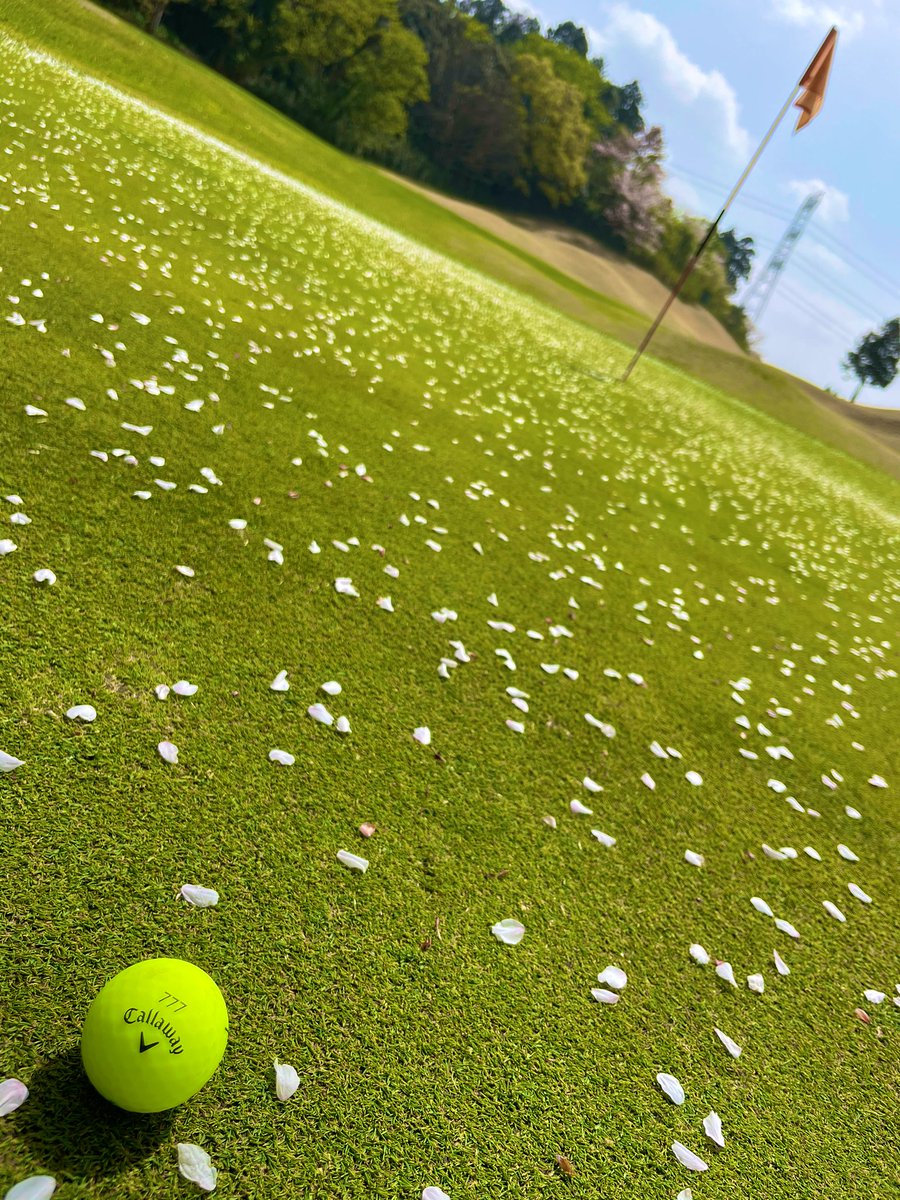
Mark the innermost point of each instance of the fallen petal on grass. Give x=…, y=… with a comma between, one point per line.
x=671, y=1087
x=13, y=1093
x=35, y=1187
x=353, y=861
x=731, y=1046
x=688, y=1158
x=196, y=1166
x=286, y=1080
x=508, y=931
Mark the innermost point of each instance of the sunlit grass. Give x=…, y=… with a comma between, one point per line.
x=358, y=388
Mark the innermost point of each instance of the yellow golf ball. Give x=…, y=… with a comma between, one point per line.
x=154, y=1035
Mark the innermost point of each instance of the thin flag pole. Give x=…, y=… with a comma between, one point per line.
x=708, y=235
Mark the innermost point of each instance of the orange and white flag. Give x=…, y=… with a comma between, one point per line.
x=815, y=81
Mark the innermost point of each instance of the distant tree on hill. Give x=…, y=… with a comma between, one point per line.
x=625, y=187
x=739, y=254
x=492, y=13
x=876, y=357
x=626, y=107
x=471, y=133
x=517, y=27
x=571, y=35
x=557, y=134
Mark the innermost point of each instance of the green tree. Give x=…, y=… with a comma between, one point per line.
x=571, y=35
x=586, y=76
x=876, y=357
x=517, y=26
x=738, y=256
x=491, y=13
x=556, y=132
x=379, y=86
x=625, y=104
x=472, y=131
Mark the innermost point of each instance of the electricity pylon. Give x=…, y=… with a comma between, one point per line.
x=760, y=291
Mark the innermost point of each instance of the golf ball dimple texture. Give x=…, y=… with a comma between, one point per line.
x=154, y=1035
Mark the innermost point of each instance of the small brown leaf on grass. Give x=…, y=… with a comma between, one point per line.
x=426, y=945
x=564, y=1165
x=862, y=1015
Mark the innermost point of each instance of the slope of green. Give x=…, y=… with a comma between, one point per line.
x=660, y=558
x=110, y=49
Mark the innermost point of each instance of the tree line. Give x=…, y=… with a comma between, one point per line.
x=472, y=98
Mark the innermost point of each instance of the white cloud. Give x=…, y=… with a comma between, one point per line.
x=835, y=206
x=826, y=258
x=707, y=90
x=819, y=16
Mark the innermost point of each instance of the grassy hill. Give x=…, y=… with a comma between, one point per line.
x=112, y=50
x=252, y=430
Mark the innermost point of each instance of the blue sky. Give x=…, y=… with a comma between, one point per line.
x=714, y=73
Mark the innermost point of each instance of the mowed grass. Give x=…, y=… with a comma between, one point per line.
x=112, y=50
x=731, y=565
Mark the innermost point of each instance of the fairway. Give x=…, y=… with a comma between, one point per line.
x=578, y=631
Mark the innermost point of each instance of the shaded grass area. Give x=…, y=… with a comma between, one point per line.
x=428, y=1053
x=113, y=50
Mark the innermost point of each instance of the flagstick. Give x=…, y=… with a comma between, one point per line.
x=712, y=229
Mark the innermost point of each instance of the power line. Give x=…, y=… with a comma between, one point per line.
x=773, y=209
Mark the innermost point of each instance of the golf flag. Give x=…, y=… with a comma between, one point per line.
x=807, y=95
x=815, y=81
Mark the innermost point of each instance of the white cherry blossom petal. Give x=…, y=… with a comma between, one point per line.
x=353, y=861
x=13, y=1093
x=725, y=971
x=286, y=1080
x=320, y=713
x=282, y=757
x=422, y=735
x=196, y=1166
x=199, y=897
x=508, y=931
x=82, y=712
x=671, y=1087
x=184, y=688
x=168, y=751
x=35, y=1187
x=688, y=1158
x=712, y=1127
x=731, y=1046
x=614, y=977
